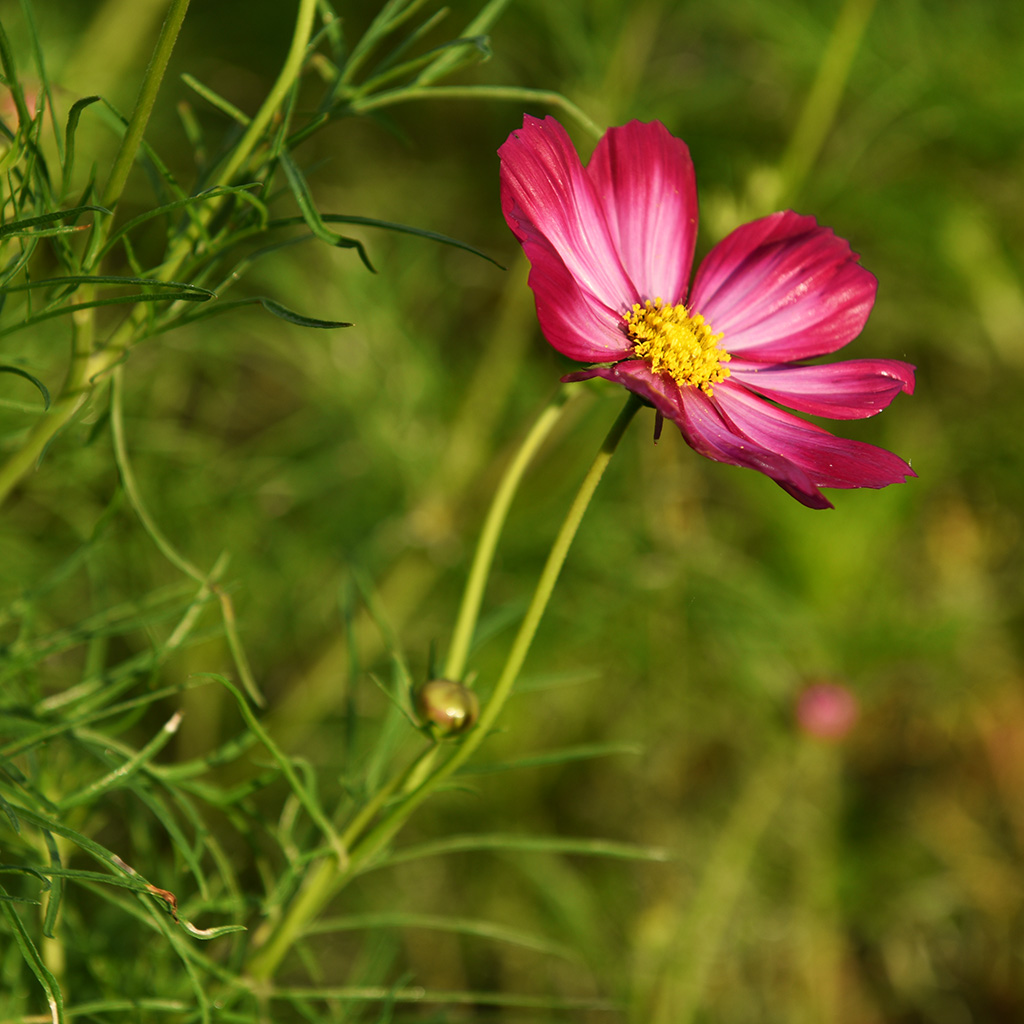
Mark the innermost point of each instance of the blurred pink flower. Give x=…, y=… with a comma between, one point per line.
x=611, y=246
x=827, y=711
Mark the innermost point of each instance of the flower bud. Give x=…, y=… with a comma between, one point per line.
x=827, y=711
x=450, y=706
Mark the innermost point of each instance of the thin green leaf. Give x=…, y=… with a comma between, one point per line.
x=297, y=318
x=524, y=844
x=387, y=225
x=24, y=227
x=40, y=386
x=194, y=133
x=216, y=100
x=11, y=816
x=59, y=728
x=25, y=869
x=241, y=191
x=35, y=963
x=436, y=922
x=122, y=773
x=155, y=803
x=303, y=133
x=270, y=306
x=44, y=79
x=69, y=140
x=450, y=61
x=389, y=18
x=52, y=232
x=584, y=752
x=56, y=887
x=93, y=1010
x=406, y=44
x=16, y=265
x=287, y=768
x=310, y=214
x=111, y=279
x=511, y=94
x=13, y=81
x=148, y=157
x=190, y=296
x=480, y=43
x=416, y=995
x=121, y=875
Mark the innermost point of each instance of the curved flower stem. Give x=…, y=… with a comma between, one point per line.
x=325, y=879
x=483, y=557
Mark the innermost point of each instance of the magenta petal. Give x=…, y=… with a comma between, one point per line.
x=551, y=205
x=841, y=391
x=635, y=375
x=708, y=433
x=644, y=179
x=783, y=288
x=705, y=430
x=828, y=460
x=574, y=322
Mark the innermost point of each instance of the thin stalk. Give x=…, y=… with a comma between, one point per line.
x=448, y=60
x=513, y=94
x=822, y=103
x=285, y=80
x=72, y=397
x=483, y=557
x=132, y=139
x=685, y=972
x=325, y=878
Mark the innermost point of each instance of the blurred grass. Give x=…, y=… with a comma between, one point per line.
x=698, y=599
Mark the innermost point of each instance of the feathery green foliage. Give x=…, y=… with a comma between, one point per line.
x=233, y=543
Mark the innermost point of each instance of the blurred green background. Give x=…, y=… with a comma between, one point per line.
x=876, y=879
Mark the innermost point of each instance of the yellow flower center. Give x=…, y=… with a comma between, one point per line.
x=678, y=344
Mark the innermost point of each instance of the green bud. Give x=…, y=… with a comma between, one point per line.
x=450, y=706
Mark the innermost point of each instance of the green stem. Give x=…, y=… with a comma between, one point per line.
x=822, y=103
x=289, y=73
x=476, y=581
x=132, y=139
x=72, y=397
x=686, y=971
x=326, y=879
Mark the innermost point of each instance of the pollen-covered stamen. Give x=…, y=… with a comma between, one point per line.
x=676, y=343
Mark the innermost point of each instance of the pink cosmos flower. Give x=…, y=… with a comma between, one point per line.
x=611, y=247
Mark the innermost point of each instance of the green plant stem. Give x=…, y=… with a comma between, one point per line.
x=132, y=139
x=822, y=103
x=208, y=581
x=684, y=974
x=72, y=397
x=325, y=878
x=448, y=60
x=285, y=80
x=483, y=557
